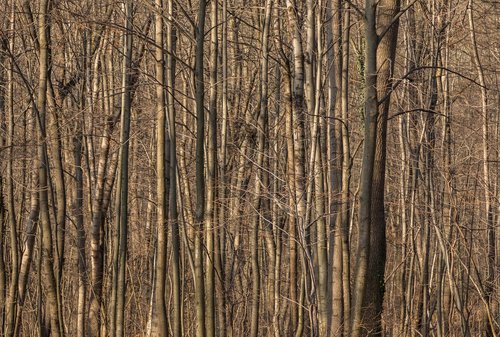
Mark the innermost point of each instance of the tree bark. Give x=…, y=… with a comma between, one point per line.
x=366, y=179
x=173, y=211
x=49, y=278
x=386, y=54
x=489, y=325
x=81, y=235
x=117, y=303
x=12, y=297
x=160, y=323
x=212, y=167
x=200, y=171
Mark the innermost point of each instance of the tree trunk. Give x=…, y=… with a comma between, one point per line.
x=160, y=323
x=385, y=60
x=117, y=303
x=80, y=240
x=173, y=212
x=211, y=211
x=489, y=325
x=366, y=179
x=49, y=279
x=12, y=297
x=200, y=171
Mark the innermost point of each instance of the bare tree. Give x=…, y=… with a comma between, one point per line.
x=200, y=170
x=160, y=323
x=117, y=303
x=488, y=208
x=50, y=281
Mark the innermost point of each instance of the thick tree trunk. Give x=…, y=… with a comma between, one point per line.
x=366, y=179
x=386, y=52
x=49, y=278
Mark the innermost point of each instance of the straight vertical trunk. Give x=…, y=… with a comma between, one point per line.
x=11, y=303
x=261, y=205
x=200, y=171
x=173, y=212
x=80, y=239
x=117, y=305
x=3, y=276
x=224, y=191
x=160, y=323
x=210, y=216
x=100, y=204
x=346, y=171
x=49, y=278
x=299, y=174
x=489, y=325
x=3, y=141
x=28, y=247
x=366, y=179
x=385, y=60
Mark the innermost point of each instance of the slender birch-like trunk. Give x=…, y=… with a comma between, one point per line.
x=201, y=330
x=81, y=236
x=212, y=167
x=489, y=324
x=12, y=296
x=160, y=322
x=171, y=39
x=117, y=303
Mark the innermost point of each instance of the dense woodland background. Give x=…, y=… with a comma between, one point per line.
x=249, y=168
